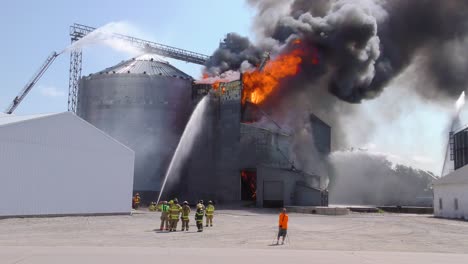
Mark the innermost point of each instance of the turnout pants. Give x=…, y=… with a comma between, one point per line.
x=185, y=224
x=209, y=220
x=164, y=221
x=200, y=225
x=174, y=224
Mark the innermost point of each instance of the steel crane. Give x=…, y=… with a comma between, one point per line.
x=78, y=31
x=32, y=82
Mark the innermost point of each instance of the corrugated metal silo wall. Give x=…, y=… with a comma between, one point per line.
x=146, y=113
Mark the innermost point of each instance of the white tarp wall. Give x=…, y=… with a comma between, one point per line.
x=61, y=165
x=451, y=195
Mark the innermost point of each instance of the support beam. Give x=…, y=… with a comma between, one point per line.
x=74, y=80
x=78, y=31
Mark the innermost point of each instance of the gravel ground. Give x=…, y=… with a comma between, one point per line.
x=245, y=229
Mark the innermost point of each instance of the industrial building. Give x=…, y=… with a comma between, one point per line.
x=58, y=164
x=450, y=191
x=250, y=161
x=145, y=103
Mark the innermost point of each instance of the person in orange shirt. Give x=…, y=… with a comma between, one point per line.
x=283, y=226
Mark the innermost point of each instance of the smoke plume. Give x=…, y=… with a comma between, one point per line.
x=351, y=50
x=377, y=181
x=234, y=52
x=361, y=44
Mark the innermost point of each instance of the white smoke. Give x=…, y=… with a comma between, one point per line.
x=460, y=103
x=368, y=178
x=106, y=35
x=227, y=76
x=455, y=123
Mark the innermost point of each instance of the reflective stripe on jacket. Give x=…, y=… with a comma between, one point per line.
x=199, y=216
x=174, y=211
x=210, y=210
x=185, y=212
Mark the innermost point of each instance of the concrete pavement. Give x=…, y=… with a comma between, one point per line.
x=126, y=255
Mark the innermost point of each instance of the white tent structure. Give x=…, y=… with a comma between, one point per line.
x=58, y=164
x=451, y=195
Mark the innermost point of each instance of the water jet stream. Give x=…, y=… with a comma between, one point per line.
x=191, y=132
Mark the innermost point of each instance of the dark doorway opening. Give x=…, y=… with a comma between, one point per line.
x=249, y=185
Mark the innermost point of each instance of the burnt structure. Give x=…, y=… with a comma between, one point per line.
x=145, y=104
x=249, y=162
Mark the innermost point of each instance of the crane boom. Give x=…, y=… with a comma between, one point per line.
x=31, y=83
x=78, y=31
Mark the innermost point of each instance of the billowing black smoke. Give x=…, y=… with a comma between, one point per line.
x=234, y=51
x=361, y=44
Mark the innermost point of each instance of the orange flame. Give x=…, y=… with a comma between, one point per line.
x=215, y=85
x=259, y=85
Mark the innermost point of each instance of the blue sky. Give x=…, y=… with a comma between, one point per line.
x=33, y=29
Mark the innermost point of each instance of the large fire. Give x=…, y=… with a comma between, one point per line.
x=259, y=84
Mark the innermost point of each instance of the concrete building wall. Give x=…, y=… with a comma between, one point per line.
x=445, y=197
x=227, y=142
x=306, y=196
x=286, y=178
x=61, y=165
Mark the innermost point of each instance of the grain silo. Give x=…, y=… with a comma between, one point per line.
x=143, y=103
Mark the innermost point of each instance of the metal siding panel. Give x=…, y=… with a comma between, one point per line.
x=448, y=192
x=47, y=173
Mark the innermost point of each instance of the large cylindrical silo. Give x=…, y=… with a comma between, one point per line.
x=144, y=103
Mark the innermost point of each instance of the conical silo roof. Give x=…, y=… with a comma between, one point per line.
x=147, y=64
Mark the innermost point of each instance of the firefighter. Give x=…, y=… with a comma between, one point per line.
x=199, y=217
x=200, y=203
x=136, y=201
x=185, y=216
x=209, y=213
x=174, y=212
x=164, y=216
x=152, y=207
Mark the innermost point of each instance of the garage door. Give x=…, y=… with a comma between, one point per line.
x=273, y=194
